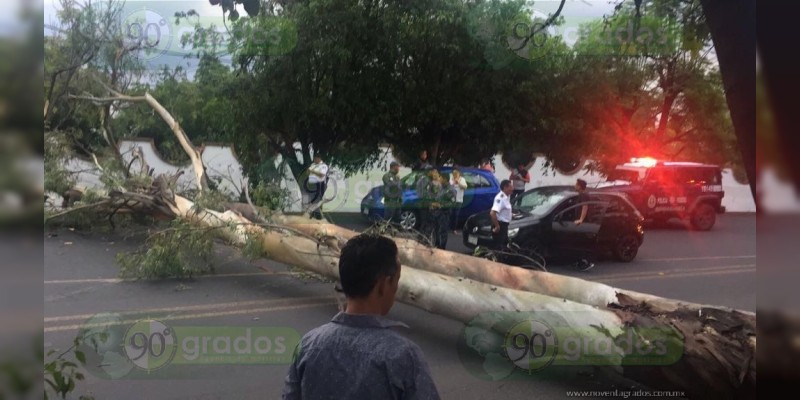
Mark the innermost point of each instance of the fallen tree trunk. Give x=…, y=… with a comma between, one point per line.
x=483, y=270
x=718, y=345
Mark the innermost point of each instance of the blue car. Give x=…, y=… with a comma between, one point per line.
x=482, y=187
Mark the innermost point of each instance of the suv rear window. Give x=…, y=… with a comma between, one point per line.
x=685, y=175
x=707, y=176
x=622, y=174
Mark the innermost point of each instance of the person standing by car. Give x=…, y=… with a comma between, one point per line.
x=422, y=163
x=585, y=262
x=458, y=184
x=501, y=214
x=580, y=187
x=486, y=165
x=316, y=184
x=432, y=214
x=392, y=193
x=441, y=209
x=424, y=187
x=519, y=177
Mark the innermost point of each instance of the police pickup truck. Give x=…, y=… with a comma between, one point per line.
x=665, y=190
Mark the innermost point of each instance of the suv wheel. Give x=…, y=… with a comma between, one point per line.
x=626, y=248
x=703, y=217
x=408, y=220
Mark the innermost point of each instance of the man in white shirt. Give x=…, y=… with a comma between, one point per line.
x=317, y=184
x=501, y=214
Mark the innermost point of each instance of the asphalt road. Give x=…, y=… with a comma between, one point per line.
x=716, y=267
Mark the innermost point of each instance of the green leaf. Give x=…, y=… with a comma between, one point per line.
x=52, y=384
x=50, y=367
x=80, y=356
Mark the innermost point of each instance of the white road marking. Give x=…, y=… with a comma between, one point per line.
x=680, y=273
x=694, y=258
x=198, y=315
x=199, y=307
x=118, y=280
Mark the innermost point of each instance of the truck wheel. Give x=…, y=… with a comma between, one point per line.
x=703, y=217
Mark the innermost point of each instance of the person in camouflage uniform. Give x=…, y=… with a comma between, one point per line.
x=436, y=198
x=392, y=193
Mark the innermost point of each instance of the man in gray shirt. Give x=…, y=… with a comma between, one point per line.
x=358, y=355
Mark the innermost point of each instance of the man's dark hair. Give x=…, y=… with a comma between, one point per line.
x=504, y=184
x=365, y=259
x=582, y=184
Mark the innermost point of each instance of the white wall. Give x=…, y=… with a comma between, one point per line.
x=346, y=194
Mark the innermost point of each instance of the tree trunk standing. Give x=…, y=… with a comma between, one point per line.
x=666, y=108
x=434, y=153
x=105, y=114
x=733, y=29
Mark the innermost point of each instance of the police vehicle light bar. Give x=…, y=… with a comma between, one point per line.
x=644, y=161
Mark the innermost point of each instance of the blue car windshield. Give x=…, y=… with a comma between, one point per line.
x=410, y=181
x=539, y=202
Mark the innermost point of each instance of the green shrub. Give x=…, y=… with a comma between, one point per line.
x=179, y=251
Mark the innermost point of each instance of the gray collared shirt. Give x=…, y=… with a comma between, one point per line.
x=358, y=357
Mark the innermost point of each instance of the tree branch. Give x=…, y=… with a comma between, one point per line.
x=74, y=209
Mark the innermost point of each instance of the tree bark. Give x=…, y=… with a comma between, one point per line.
x=461, y=265
x=194, y=154
x=666, y=109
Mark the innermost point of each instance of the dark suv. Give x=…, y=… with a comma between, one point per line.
x=664, y=190
x=543, y=224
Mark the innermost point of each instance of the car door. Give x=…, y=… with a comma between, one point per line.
x=571, y=238
x=617, y=218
